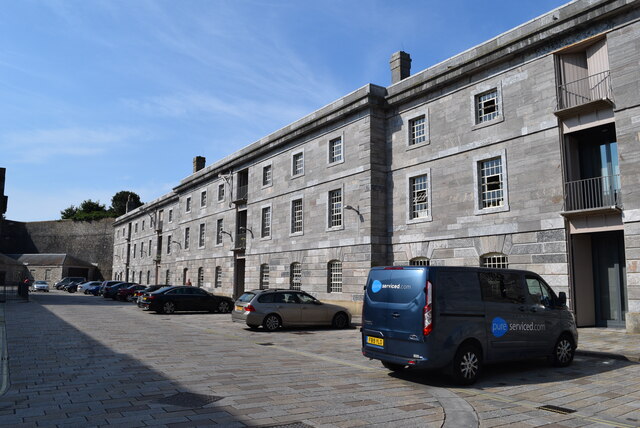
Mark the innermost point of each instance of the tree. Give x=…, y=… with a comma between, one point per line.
x=68, y=213
x=119, y=202
x=90, y=206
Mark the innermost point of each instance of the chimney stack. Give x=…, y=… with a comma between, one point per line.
x=400, y=66
x=198, y=163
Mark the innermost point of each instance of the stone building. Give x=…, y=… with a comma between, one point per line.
x=519, y=152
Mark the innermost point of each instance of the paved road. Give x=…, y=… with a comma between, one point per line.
x=79, y=360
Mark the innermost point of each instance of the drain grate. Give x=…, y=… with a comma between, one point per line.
x=556, y=409
x=266, y=344
x=189, y=399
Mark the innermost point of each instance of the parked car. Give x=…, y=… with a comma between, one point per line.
x=72, y=287
x=94, y=289
x=106, y=284
x=185, y=298
x=459, y=317
x=126, y=293
x=82, y=288
x=40, y=286
x=68, y=280
x=140, y=293
x=112, y=290
x=275, y=308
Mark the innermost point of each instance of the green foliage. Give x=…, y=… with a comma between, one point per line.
x=119, y=202
x=90, y=210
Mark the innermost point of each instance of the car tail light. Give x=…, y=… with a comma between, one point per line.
x=249, y=308
x=428, y=319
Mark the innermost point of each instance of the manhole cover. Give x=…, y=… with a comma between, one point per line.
x=189, y=399
x=556, y=409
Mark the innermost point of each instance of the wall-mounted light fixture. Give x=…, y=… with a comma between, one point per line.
x=227, y=233
x=356, y=210
x=246, y=229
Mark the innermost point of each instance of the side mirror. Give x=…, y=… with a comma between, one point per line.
x=317, y=302
x=562, y=298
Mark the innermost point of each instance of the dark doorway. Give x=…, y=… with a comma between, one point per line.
x=609, y=273
x=238, y=286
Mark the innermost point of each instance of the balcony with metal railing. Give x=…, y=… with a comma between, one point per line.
x=241, y=194
x=598, y=194
x=240, y=243
x=573, y=97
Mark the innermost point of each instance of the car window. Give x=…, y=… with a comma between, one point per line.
x=501, y=287
x=539, y=291
x=266, y=298
x=305, y=298
x=199, y=292
x=246, y=297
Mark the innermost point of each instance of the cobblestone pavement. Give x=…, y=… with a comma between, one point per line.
x=83, y=361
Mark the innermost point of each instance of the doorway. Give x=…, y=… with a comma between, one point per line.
x=238, y=286
x=599, y=276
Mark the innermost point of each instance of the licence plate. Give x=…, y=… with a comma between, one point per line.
x=375, y=341
x=239, y=308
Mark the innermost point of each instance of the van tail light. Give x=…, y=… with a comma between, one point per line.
x=428, y=311
x=249, y=308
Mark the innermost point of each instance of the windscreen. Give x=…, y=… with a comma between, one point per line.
x=396, y=285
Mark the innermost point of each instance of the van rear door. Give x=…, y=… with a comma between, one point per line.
x=393, y=315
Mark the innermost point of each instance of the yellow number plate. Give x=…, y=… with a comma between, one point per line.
x=375, y=341
x=239, y=308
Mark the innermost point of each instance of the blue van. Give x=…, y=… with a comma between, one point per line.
x=457, y=318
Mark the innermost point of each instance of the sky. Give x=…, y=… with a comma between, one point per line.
x=102, y=96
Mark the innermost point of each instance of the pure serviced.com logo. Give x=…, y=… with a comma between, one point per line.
x=499, y=327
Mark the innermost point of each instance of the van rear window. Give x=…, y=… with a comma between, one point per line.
x=396, y=286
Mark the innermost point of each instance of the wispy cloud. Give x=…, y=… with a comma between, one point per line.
x=37, y=146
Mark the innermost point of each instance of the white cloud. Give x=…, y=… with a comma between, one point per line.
x=37, y=146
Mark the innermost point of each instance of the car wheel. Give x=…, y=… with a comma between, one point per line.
x=224, y=307
x=563, y=351
x=271, y=322
x=340, y=320
x=467, y=364
x=392, y=366
x=169, y=307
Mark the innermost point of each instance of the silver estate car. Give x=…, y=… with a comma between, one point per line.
x=275, y=308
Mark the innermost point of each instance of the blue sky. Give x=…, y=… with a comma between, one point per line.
x=102, y=96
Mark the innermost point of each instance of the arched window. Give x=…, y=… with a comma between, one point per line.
x=334, y=276
x=264, y=276
x=218, y=278
x=296, y=276
x=419, y=261
x=494, y=260
x=200, y=277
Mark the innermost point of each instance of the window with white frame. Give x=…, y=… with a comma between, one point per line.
x=186, y=238
x=491, y=183
x=264, y=276
x=266, y=175
x=296, y=216
x=219, y=226
x=487, y=107
x=170, y=216
x=148, y=277
x=201, y=236
x=419, y=197
x=135, y=246
x=150, y=244
x=297, y=164
x=135, y=229
x=220, y=192
x=218, y=277
x=169, y=244
x=141, y=249
x=203, y=198
x=200, y=277
x=417, y=130
x=142, y=224
x=334, y=273
x=296, y=276
x=265, y=222
x=188, y=204
x=335, y=150
x=494, y=260
x=419, y=261
x=335, y=208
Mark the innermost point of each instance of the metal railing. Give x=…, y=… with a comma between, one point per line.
x=583, y=91
x=593, y=193
x=241, y=241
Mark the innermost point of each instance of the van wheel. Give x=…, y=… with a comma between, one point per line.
x=563, y=351
x=466, y=365
x=392, y=366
